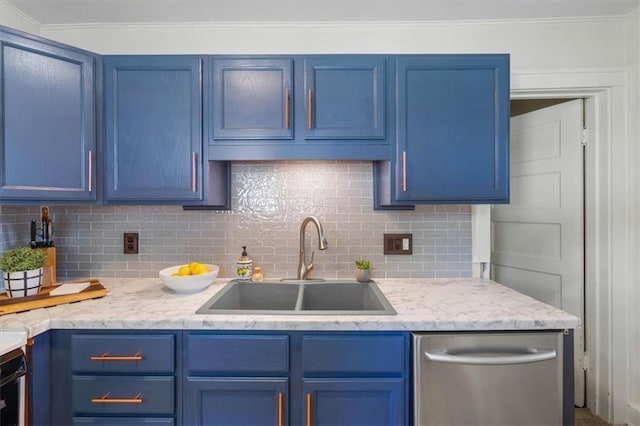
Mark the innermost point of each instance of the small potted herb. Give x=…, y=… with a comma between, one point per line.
x=22, y=269
x=363, y=273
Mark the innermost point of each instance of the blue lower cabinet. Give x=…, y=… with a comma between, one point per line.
x=110, y=377
x=39, y=377
x=353, y=402
x=236, y=401
x=123, y=395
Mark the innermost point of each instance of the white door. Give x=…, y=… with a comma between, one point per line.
x=537, y=243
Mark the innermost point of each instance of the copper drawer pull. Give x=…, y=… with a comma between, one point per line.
x=308, y=409
x=194, y=168
x=404, y=171
x=309, y=109
x=286, y=108
x=105, y=357
x=280, y=400
x=90, y=178
x=105, y=400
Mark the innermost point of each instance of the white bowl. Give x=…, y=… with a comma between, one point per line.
x=188, y=283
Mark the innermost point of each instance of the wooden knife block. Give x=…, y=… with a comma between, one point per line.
x=49, y=268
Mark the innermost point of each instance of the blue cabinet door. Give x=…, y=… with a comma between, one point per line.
x=153, y=129
x=344, y=97
x=235, y=401
x=47, y=121
x=452, y=126
x=251, y=98
x=39, y=376
x=354, y=402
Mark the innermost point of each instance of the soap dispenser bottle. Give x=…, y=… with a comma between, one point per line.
x=244, y=267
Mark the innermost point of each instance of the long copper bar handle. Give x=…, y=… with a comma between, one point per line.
x=104, y=400
x=194, y=159
x=105, y=357
x=309, y=112
x=280, y=400
x=286, y=108
x=90, y=183
x=309, y=409
x=404, y=171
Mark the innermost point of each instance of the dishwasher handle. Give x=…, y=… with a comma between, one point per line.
x=492, y=356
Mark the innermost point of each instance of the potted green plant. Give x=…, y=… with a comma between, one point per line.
x=22, y=270
x=363, y=273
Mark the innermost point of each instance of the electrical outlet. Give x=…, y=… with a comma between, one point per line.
x=398, y=244
x=130, y=243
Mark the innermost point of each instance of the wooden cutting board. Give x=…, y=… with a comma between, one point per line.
x=10, y=305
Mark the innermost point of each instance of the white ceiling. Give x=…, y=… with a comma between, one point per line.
x=47, y=12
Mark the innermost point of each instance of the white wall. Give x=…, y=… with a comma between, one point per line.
x=12, y=17
x=633, y=295
x=555, y=44
x=549, y=55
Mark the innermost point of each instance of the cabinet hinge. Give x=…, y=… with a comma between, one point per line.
x=585, y=361
x=584, y=137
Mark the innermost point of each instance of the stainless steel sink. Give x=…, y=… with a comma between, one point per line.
x=334, y=297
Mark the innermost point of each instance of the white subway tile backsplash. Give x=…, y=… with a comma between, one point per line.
x=269, y=201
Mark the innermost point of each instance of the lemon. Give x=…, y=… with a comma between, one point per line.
x=192, y=265
x=184, y=270
x=199, y=269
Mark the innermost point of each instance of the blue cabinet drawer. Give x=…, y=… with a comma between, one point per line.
x=121, y=421
x=123, y=395
x=244, y=355
x=104, y=353
x=353, y=355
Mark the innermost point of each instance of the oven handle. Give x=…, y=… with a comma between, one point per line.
x=492, y=356
x=21, y=371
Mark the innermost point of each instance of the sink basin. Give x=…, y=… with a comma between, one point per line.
x=335, y=297
x=248, y=296
x=343, y=297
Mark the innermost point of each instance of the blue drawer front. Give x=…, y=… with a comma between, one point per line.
x=245, y=355
x=103, y=353
x=353, y=355
x=119, y=395
x=120, y=421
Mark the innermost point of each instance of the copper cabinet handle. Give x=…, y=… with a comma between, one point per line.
x=90, y=183
x=404, y=171
x=309, y=112
x=286, y=108
x=280, y=403
x=309, y=409
x=106, y=400
x=105, y=357
x=194, y=168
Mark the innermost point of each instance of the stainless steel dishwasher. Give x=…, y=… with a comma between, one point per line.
x=488, y=378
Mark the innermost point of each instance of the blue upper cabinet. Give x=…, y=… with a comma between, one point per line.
x=345, y=97
x=452, y=132
x=453, y=128
x=47, y=121
x=153, y=129
x=330, y=107
x=252, y=98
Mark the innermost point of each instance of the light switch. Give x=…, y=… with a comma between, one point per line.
x=398, y=244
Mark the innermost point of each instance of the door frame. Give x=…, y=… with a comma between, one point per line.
x=609, y=234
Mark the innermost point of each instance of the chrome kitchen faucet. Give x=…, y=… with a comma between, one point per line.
x=303, y=267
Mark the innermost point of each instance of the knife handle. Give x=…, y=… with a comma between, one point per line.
x=33, y=234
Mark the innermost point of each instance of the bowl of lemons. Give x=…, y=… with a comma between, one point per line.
x=189, y=278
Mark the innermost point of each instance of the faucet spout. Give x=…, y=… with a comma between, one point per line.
x=303, y=267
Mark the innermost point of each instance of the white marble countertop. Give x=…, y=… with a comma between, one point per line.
x=421, y=305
